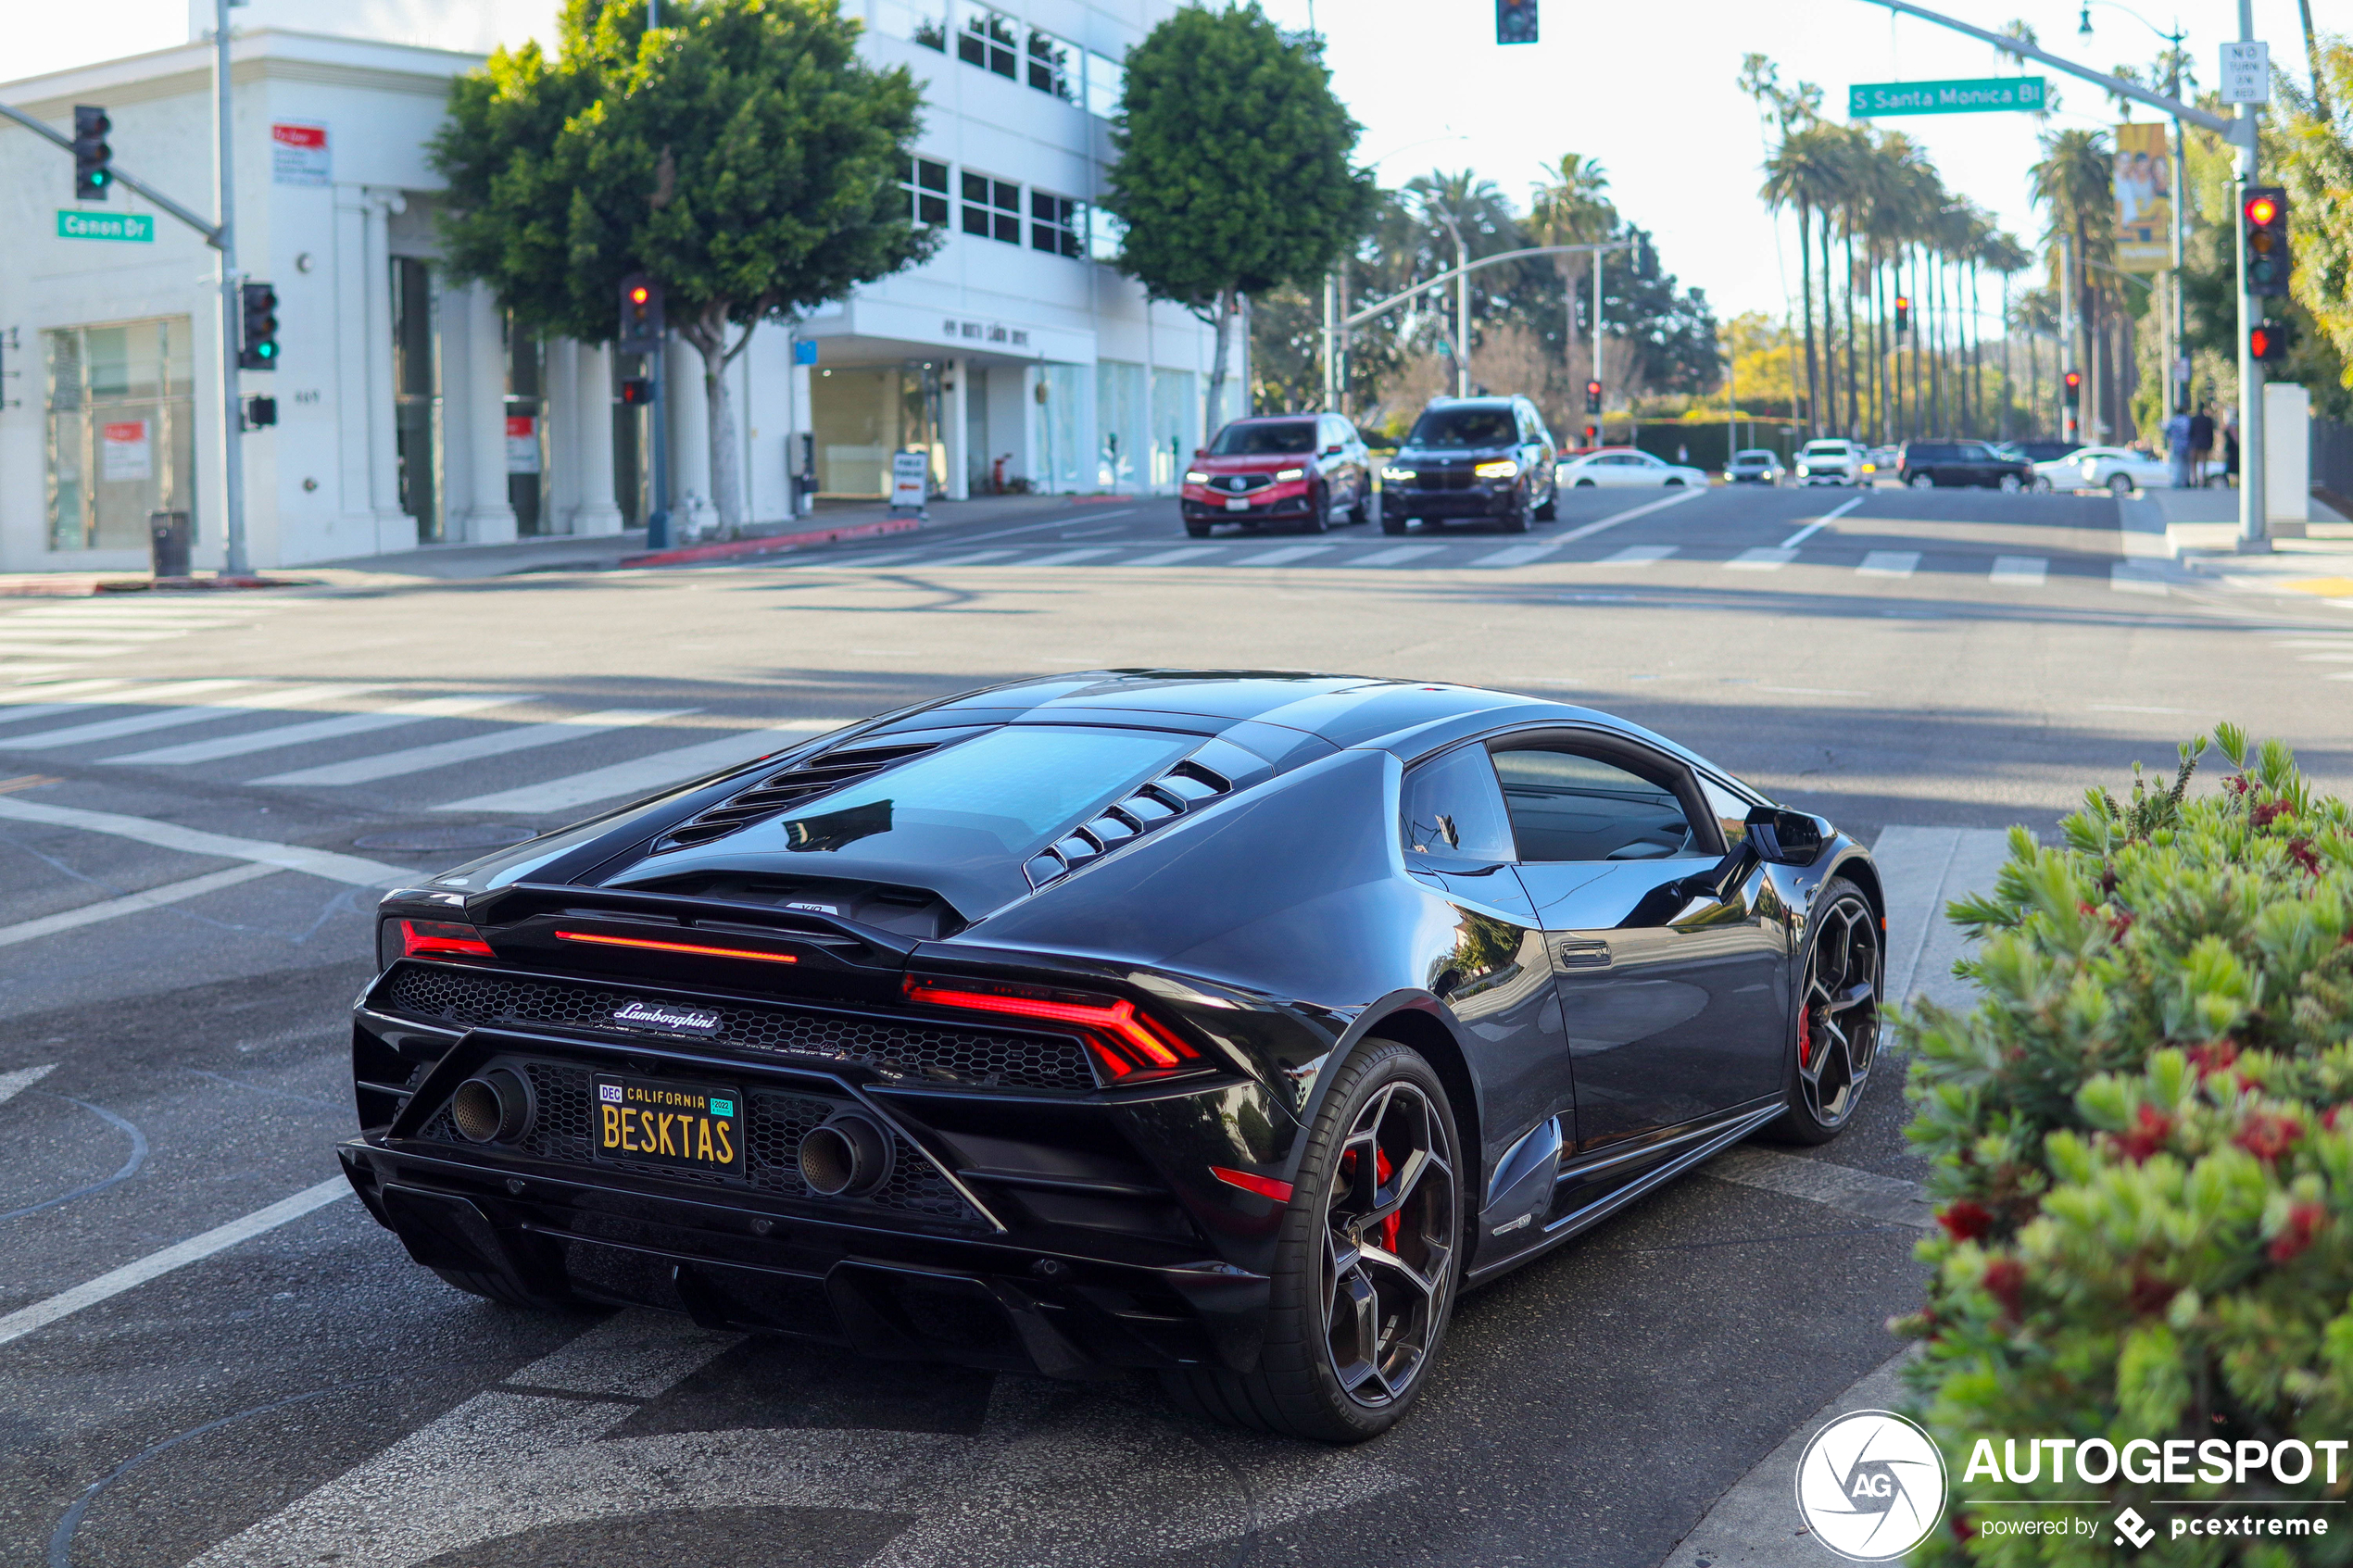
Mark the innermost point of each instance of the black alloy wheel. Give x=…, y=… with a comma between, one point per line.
x=1359, y=512
x=1838, y=1015
x=1394, y=524
x=1319, y=508
x=1197, y=528
x=1367, y=1262
x=1551, y=510
x=1515, y=520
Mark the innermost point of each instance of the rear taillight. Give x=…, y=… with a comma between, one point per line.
x=442, y=939
x=1125, y=1042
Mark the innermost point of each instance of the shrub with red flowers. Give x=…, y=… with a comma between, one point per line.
x=2144, y=1185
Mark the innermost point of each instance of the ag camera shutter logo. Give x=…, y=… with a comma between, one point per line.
x=1870, y=1485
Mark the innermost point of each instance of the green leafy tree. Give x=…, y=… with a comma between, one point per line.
x=741, y=155
x=1233, y=176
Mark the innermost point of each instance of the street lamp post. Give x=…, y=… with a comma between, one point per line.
x=2177, y=317
x=1462, y=304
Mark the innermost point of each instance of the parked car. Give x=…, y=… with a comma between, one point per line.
x=1279, y=467
x=1831, y=461
x=1926, y=465
x=1625, y=465
x=1198, y=1023
x=2120, y=470
x=1473, y=458
x=1755, y=466
x=1879, y=462
x=2038, y=449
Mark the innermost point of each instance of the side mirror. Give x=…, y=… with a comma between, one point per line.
x=1332, y=451
x=1787, y=839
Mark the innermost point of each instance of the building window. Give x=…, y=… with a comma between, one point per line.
x=1051, y=62
x=927, y=188
x=1105, y=233
x=121, y=431
x=987, y=40
x=1106, y=84
x=1056, y=223
x=992, y=208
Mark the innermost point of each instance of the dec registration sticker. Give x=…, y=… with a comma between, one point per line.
x=661, y=1122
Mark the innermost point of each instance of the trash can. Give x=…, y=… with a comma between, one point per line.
x=168, y=533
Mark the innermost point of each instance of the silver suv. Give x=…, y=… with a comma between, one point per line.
x=1831, y=462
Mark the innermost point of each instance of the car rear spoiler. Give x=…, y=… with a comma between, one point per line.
x=524, y=900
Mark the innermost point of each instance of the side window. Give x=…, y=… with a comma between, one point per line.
x=1567, y=806
x=1731, y=810
x=1452, y=813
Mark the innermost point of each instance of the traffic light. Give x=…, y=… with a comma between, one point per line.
x=1593, y=398
x=1515, y=21
x=2268, y=341
x=2074, y=389
x=1903, y=313
x=91, y=177
x=259, y=349
x=2267, y=255
x=640, y=315
x=636, y=392
x=1645, y=259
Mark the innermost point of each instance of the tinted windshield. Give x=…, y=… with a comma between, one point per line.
x=1272, y=439
x=1751, y=456
x=1465, y=427
x=1826, y=449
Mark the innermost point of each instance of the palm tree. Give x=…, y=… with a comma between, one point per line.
x=2001, y=253
x=1571, y=208
x=2073, y=182
x=1804, y=173
x=1476, y=218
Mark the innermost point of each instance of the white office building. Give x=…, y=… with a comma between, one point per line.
x=409, y=413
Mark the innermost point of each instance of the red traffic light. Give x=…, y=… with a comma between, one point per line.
x=2074, y=380
x=2268, y=341
x=2263, y=210
x=639, y=294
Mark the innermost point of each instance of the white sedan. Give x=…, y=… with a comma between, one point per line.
x=2118, y=469
x=1624, y=465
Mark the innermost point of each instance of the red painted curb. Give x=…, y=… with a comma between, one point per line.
x=733, y=549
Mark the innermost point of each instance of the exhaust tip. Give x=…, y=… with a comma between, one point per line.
x=494, y=1107
x=847, y=1156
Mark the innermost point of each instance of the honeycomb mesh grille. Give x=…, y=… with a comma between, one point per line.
x=985, y=1059
x=776, y=1122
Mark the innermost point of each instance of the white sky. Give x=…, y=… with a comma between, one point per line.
x=1648, y=88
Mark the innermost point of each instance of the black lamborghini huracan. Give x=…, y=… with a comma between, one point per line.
x=1227, y=1024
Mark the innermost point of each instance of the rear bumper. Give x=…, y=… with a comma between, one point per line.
x=730, y=1266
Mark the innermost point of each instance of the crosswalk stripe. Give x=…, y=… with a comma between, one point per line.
x=643, y=775
x=132, y=904
x=172, y=718
x=50, y=634
x=354, y=870
x=521, y=738
x=1519, y=555
x=2025, y=572
x=19, y=673
x=1284, y=556
x=1889, y=563
x=1190, y=555
x=1397, y=553
x=1762, y=559
x=1639, y=555
x=37, y=702
x=311, y=730
x=974, y=558
x=172, y=691
x=2131, y=577
x=1066, y=557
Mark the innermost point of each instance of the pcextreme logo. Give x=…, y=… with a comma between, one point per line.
x=1870, y=1485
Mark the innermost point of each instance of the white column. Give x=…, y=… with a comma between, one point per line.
x=395, y=528
x=796, y=425
x=355, y=521
x=954, y=416
x=689, y=429
x=489, y=519
x=559, y=408
x=592, y=399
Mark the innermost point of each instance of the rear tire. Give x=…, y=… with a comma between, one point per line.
x=1360, y=512
x=2009, y=485
x=1367, y=1262
x=1195, y=530
x=1923, y=482
x=2119, y=484
x=1515, y=520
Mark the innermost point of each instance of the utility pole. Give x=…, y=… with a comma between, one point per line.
x=1598, y=418
x=2178, y=365
x=232, y=418
x=1462, y=306
x=2255, y=517
x=1331, y=333
x=2069, y=430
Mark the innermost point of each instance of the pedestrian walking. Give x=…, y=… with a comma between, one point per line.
x=2231, y=451
x=2201, y=441
x=2177, y=450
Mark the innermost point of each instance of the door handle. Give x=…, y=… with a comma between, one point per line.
x=1581, y=953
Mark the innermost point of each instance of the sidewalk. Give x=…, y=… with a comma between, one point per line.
x=2201, y=533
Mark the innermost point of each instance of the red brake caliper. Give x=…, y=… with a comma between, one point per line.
x=1389, y=1227
x=1806, y=1037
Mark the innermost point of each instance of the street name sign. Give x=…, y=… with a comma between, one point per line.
x=135, y=226
x=1972, y=96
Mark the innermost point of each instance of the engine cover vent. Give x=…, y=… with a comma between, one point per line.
x=1164, y=799
x=805, y=780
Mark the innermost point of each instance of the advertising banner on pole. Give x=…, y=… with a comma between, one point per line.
x=2143, y=197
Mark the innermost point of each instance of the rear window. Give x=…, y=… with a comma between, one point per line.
x=1931, y=452
x=1465, y=427
x=1275, y=438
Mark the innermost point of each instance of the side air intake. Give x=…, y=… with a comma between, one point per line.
x=805, y=780
x=1164, y=799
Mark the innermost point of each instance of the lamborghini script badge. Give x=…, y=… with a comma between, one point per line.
x=669, y=1020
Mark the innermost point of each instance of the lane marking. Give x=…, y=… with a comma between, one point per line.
x=1889, y=563
x=1761, y=560
x=1519, y=555
x=192, y=713
x=1196, y=553
x=1795, y=540
x=196, y=1248
x=1284, y=556
x=2024, y=572
x=1397, y=553
x=645, y=775
x=1064, y=558
x=325, y=863
x=1034, y=527
x=311, y=730
x=1628, y=516
x=15, y=1083
x=130, y=904
x=523, y=737
x=2129, y=577
x=1640, y=555
x=1866, y=1193
x=48, y=690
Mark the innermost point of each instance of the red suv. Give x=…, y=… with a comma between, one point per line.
x=1292, y=468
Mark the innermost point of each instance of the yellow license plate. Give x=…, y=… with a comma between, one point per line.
x=662, y=1122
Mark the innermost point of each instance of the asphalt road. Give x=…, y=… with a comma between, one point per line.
x=186, y=871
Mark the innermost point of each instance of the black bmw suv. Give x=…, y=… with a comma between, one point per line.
x=1473, y=458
